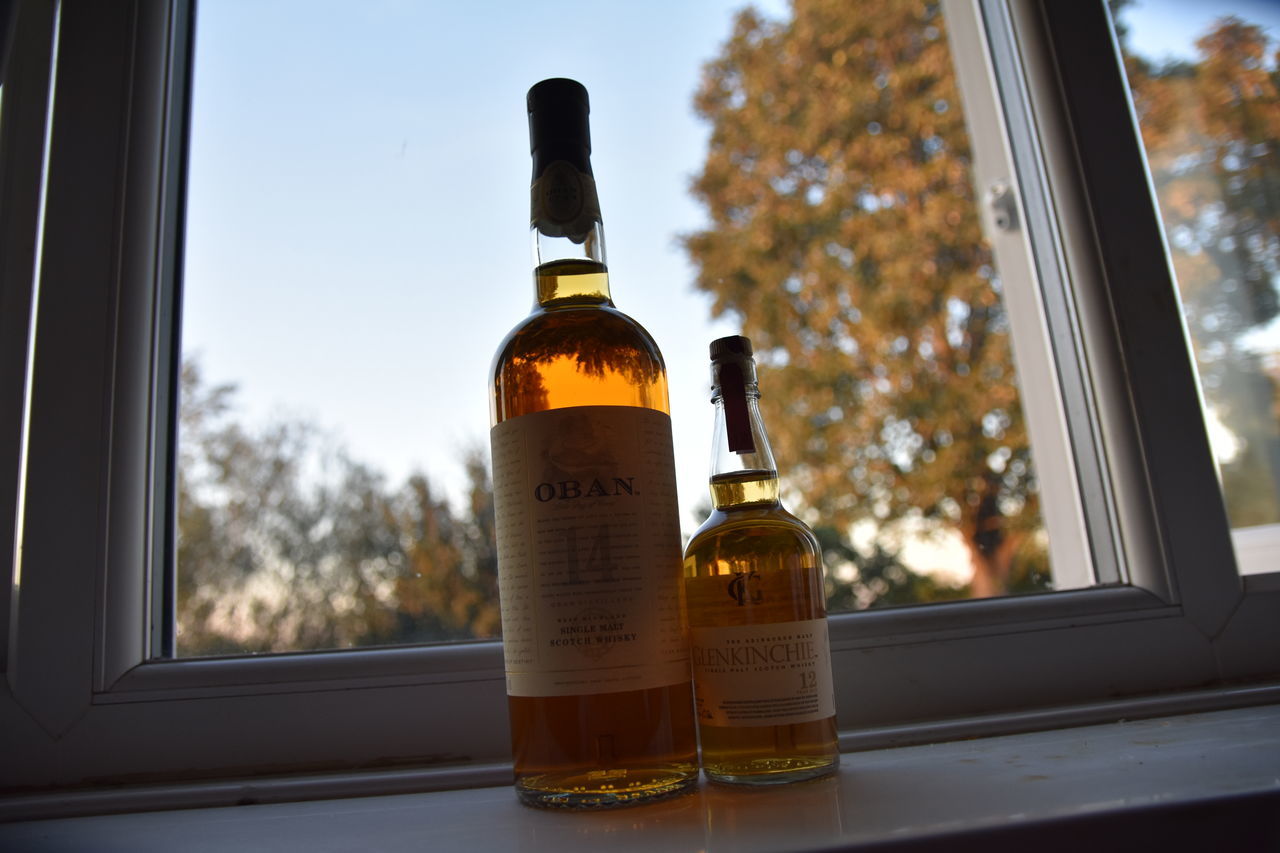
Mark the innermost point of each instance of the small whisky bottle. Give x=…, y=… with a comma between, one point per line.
x=757, y=616
x=588, y=531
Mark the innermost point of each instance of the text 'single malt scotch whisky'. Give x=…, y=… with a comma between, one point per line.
x=757, y=613
x=595, y=641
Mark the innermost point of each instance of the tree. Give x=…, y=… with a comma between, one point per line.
x=451, y=587
x=1211, y=129
x=844, y=234
x=286, y=543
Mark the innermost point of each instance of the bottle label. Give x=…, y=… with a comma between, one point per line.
x=763, y=675
x=564, y=202
x=589, y=564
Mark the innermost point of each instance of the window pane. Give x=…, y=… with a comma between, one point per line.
x=1205, y=89
x=846, y=233
x=357, y=247
x=356, y=250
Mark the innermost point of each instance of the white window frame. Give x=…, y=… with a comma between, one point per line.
x=87, y=704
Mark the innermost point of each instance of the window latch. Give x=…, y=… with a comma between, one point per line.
x=1003, y=205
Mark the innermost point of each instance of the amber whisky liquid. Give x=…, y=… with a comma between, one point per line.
x=750, y=566
x=593, y=748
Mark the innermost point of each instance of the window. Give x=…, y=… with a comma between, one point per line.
x=88, y=702
x=24, y=78
x=333, y=492
x=1211, y=148
x=351, y=230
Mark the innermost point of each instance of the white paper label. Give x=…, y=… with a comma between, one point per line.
x=763, y=675
x=589, y=565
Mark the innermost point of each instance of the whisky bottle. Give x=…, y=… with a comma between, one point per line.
x=589, y=571
x=764, y=695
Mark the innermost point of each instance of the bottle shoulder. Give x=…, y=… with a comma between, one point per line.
x=576, y=329
x=576, y=355
x=771, y=520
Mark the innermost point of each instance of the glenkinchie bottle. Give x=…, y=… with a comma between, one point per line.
x=595, y=642
x=757, y=614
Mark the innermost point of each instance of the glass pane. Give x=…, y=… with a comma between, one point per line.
x=1204, y=84
x=357, y=247
x=845, y=232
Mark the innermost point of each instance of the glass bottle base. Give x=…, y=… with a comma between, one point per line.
x=761, y=772
x=605, y=789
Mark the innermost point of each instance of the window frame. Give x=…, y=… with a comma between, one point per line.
x=27, y=70
x=86, y=703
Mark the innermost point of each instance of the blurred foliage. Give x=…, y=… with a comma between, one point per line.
x=1211, y=129
x=844, y=235
x=285, y=542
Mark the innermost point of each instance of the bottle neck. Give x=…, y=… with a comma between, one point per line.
x=743, y=472
x=568, y=281
x=566, y=228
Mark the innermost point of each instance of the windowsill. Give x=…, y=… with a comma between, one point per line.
x=1190, y=778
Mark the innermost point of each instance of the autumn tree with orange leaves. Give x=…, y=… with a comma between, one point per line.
x=844, y=234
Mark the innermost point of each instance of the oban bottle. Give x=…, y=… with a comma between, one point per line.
x=757, y=614
x=595, y=642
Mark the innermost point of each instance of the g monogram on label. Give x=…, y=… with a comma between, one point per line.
x=745, y=587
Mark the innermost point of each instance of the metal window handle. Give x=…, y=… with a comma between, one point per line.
x=1003, y=205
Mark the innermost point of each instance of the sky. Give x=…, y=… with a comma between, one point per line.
x=357, y=226
x=357, y=234
x=1168, y=29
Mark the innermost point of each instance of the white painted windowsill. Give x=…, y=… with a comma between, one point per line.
x=1190, y=780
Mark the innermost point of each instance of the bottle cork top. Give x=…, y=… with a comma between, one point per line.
x=732, y=370
x=558, y=110
x=732, y=348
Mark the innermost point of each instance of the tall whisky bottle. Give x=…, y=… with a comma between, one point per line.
x=757, y=614
x=595, y=643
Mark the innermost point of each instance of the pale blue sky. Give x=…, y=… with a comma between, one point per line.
x=358, y=213
x=1164, y=29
